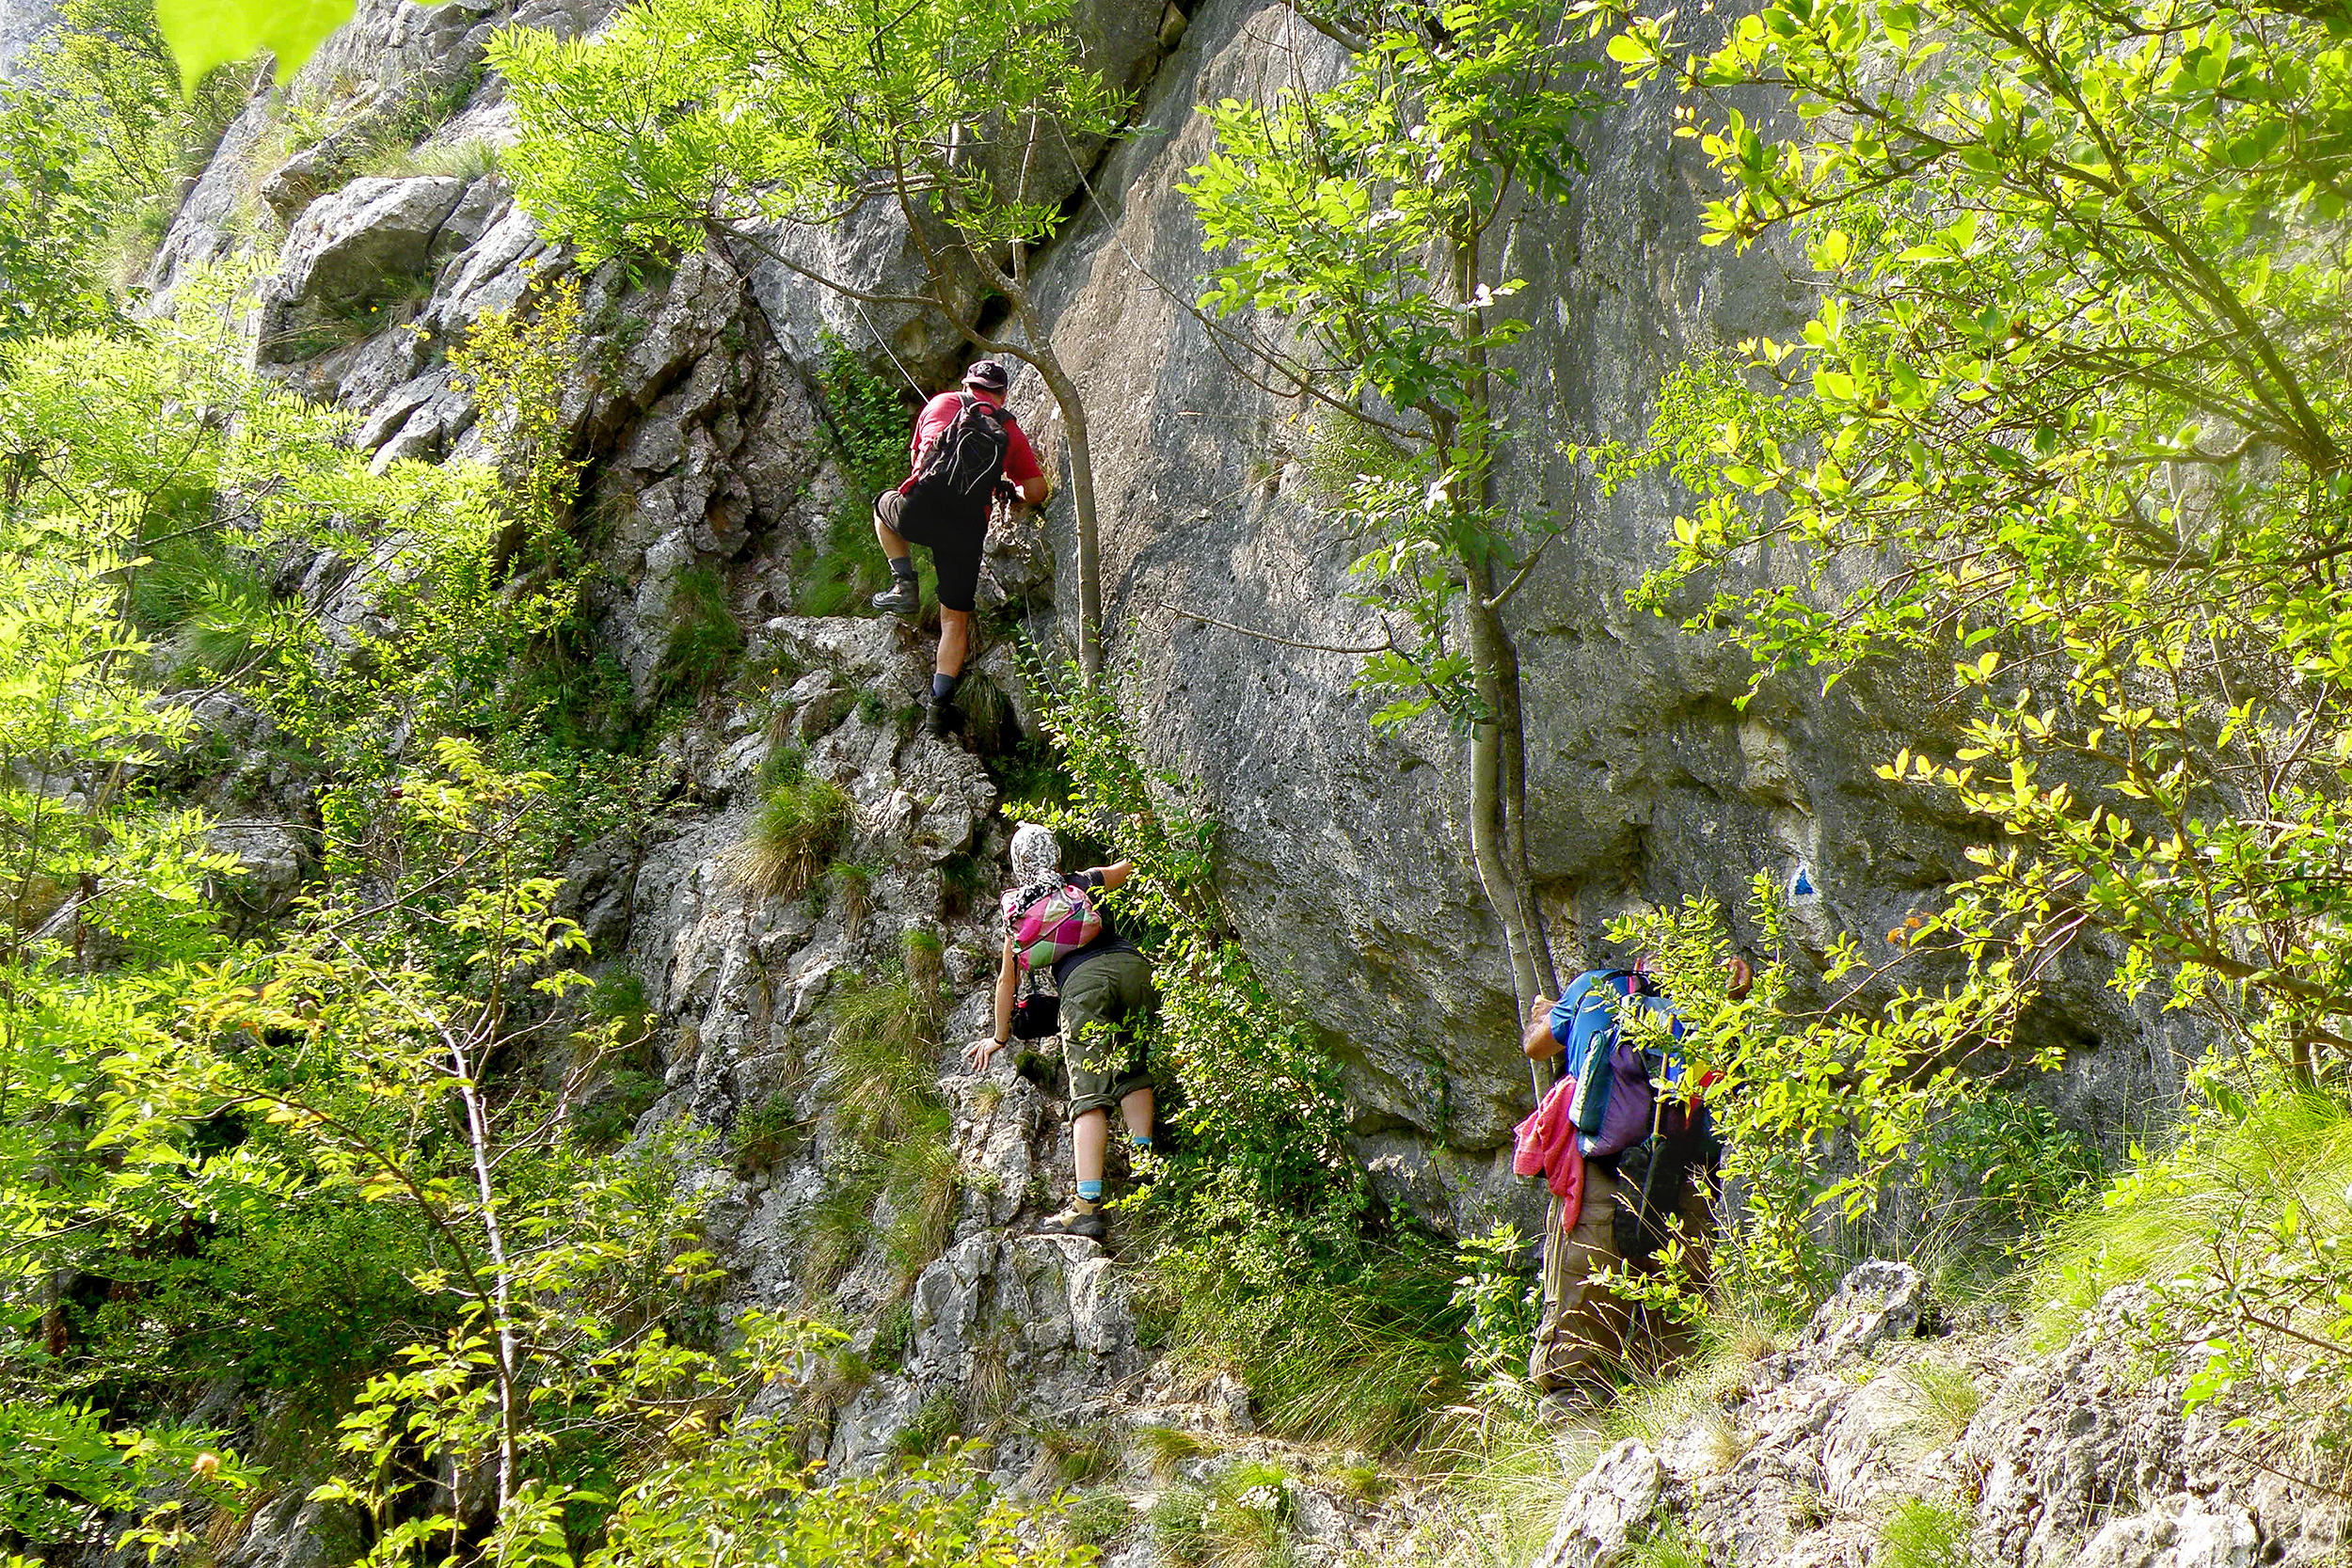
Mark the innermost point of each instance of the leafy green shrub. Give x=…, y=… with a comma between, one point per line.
x=1500, y=1298
x=699, y=649
x=746, y=1499
x=928, y=1430
x=763, y=1134
x=611, y=1114
x=70, y=1468
x=794, y=833
x=619, y=995
x=308, y=1299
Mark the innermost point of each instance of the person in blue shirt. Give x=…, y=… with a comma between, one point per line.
x=1582, y=1334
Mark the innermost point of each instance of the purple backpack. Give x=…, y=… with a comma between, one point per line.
x=1629, y=1103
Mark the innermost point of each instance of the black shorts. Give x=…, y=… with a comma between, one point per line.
x=954, y=543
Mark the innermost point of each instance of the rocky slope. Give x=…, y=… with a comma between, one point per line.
x=1866, y=1436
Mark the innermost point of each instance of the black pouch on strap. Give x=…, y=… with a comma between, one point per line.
x=1036, y=1016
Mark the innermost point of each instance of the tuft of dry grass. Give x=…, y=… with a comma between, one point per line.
x=794, y=833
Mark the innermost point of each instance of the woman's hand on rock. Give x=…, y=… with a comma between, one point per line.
x=980, y=1054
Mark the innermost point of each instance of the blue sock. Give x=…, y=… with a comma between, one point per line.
x=1140, y=1141
x=943, y=688
x=1090, y=1191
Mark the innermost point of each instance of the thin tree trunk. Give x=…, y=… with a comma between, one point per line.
x=1498, y=745
x=1073, y=420
x=478, y=1137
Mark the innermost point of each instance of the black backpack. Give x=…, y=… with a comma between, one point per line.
x=961, y=466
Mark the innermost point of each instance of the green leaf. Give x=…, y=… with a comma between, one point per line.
x=207, y=33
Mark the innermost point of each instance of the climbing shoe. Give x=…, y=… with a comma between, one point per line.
x=901, y=598
x=1072, y=1222
x=943, y=718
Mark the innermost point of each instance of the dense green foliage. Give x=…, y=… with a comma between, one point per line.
x=93, y=143
x=2065, y=433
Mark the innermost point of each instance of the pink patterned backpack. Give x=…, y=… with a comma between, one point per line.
x=1050, y=920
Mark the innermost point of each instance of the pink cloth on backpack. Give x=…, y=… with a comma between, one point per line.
x=1546, y=1144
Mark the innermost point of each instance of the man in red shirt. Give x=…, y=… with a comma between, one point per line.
x=947, y=512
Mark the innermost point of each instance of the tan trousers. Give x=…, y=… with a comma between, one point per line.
x=1585, y=1331
x=1580, y=1334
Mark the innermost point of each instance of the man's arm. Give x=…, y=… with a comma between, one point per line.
x=1022, y=469
x=1112, y=875
x=1537, y=1043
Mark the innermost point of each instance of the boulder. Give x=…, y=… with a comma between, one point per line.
x=1878, y=1302
x=1609, y=1512
x=2179, y=1531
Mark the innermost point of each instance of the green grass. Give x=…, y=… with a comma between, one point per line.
x=1097, y=1518
x=881, y=1074
x=471, y=158
x=2159, y=1220
x=211, y=610
x=852, y=892
x=922, y=954
x=1947, y=1399
x=929, y=1428
x=1922, y=1534
x=1074, y=1456
x=1675, y=1547
x=701, y=641
x=921, y=1183
x=1366, y=1362
x=793, y=834
x=1164, y=1447
x=1239, y=1519
x=610, y=1115
x=843, y=571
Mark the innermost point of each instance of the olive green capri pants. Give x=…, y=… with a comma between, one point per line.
x=1105, y=1005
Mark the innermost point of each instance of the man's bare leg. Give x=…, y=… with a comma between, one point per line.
x=955, y=641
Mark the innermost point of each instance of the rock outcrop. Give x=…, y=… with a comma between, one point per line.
x=1863, y=1432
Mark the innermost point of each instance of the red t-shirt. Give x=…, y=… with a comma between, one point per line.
x=938, y=414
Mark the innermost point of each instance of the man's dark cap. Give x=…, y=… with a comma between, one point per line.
x=988, y=376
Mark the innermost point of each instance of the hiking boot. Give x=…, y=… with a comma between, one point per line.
x=1070, y=1222
x=903, y=597
x=943, y=718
